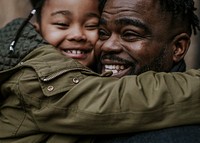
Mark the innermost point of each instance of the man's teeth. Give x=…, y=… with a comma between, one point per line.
x=74, y=51
x=114, y=68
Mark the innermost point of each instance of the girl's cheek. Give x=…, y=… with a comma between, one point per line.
x=94, y=37
x=53, y=38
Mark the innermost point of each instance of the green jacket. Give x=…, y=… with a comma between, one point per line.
x=47, y=97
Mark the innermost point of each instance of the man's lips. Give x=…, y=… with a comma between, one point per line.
x=117, y=69
x=114, y=68
x=119, y=66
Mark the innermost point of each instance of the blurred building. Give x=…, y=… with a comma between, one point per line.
x=10, y=9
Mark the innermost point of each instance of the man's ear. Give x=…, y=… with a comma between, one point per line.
x=37, y=26
x=181, y=45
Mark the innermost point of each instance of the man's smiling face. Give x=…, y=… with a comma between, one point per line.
x=134, y=37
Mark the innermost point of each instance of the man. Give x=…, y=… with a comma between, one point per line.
x=47, y=94
x=143, y=35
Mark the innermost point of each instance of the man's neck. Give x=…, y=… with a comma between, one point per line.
x=179, y=67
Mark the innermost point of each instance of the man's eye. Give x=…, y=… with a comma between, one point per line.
x=130, y=36
x=103, y=35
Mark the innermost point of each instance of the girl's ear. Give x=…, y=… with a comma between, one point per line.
x=37, y=26
x=181, y=45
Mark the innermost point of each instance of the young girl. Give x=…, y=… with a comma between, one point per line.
x=48, y=96
x=71, y=26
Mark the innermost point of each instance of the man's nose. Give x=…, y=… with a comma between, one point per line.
x=76, y=34
x=112, y=45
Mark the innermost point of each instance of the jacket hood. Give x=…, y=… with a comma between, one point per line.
x=27, y=41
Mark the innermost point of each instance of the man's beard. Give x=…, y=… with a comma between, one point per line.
x=157, y=65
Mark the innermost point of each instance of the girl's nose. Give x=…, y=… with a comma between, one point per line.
x=76, y=34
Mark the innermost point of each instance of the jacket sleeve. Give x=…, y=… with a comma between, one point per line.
x=99, y=105
x=137, y=103
x=72, y=100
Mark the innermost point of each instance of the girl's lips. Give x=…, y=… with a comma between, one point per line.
x=74, y=51
x=77, y=54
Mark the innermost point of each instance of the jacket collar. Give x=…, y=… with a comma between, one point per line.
x=179, y=67
x=29, y=39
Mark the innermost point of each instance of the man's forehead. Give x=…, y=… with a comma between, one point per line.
x=130, y=3
x=117, y=7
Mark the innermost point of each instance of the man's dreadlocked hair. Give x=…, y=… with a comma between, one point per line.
x=183, y=8
x=38, y=4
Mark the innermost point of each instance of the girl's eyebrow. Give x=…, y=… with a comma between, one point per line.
x=67, y=12
x=62, y=12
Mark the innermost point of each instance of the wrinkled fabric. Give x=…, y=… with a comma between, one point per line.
x=47, y=97
x=180, y=134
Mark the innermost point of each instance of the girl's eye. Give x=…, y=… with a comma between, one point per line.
x=92, y=26
x=103, y=35
x=61, y=24
x=91, y=23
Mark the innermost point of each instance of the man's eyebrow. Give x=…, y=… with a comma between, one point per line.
x=62, y=12
x=134, y=22
x=126, y=21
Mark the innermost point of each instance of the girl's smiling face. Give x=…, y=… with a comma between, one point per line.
x=72, y=27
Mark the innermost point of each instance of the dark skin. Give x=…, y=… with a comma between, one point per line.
x=137, y=36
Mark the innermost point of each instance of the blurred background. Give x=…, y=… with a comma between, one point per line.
x=10, y=9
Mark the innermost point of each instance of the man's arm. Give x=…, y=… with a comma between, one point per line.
x=136, y=103
x=100, y=105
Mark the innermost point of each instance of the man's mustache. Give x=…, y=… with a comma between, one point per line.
x=115, y=58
